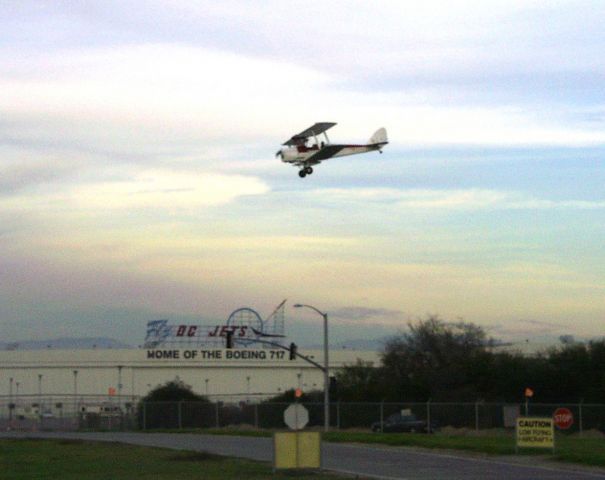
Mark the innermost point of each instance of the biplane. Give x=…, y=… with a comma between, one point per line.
x=299, y=153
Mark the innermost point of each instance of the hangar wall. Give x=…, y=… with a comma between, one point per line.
x=133, y=372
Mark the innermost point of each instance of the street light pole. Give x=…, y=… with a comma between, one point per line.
x=75, y=392
x=326, y=366
x=40, y=395
x=120, y=387
x=10, y=399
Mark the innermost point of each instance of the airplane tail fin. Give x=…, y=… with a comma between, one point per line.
x=379, y=137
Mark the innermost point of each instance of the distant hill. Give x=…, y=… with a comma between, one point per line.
x=65, y=344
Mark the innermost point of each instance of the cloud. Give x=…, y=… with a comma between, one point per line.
x=356, y=313
x=18, y=177
x=167, y=190
x=160, y=190
x=155, y=98
x=468, y=199
x=529, y=329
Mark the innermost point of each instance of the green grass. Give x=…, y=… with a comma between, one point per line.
x=585, y=451
x=80, y=460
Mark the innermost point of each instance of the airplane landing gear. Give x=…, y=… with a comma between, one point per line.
x=305, y=171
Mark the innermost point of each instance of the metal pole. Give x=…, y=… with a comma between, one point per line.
x=256, y=415
x=75, y=389
x=180, y=415
x=40, y=396
x=382, y=416
x=428, y=416
x=218, y=423
x=120, y=387
x=132, y=389
x=338, y=415
x=477, y=416
x=580, y=422
x=10, y=398
x=326, y=377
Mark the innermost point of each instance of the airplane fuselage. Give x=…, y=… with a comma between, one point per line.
x=299, y=156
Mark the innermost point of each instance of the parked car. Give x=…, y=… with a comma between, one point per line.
x=403, y=423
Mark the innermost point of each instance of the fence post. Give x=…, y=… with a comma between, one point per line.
x=580, y=422
x=144, y=415
x=217, y=416
x=428, y=416
x=338, y=415
x=382, y=416
x=180, y=413
x=476, y=415
x=256, y=415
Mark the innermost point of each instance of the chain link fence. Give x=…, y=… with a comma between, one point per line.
x=67, y=412
x=129, y=413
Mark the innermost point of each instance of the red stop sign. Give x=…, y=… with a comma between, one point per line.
x=563, y=418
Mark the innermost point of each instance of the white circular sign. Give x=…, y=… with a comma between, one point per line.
x=296, y=416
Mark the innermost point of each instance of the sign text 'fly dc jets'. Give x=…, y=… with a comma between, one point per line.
x=298, y=153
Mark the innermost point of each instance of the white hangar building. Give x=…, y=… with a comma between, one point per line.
x=257, y=365
x=133, y=372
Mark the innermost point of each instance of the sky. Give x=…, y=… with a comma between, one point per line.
x=138, y=179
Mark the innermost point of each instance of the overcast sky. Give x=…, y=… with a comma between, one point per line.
x=138, y=178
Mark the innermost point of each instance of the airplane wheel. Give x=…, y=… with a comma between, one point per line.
x=302, y=174
x=308, y=170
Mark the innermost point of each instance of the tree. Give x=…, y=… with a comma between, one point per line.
x=173, y=405
x=360, y=382
x=436, y=360
x=173, y=391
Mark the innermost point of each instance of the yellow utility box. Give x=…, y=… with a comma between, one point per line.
x=296, y=450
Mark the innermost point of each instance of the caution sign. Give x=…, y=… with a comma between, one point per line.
x=535, y=432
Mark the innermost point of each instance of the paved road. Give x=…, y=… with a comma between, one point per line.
x=387, y=463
